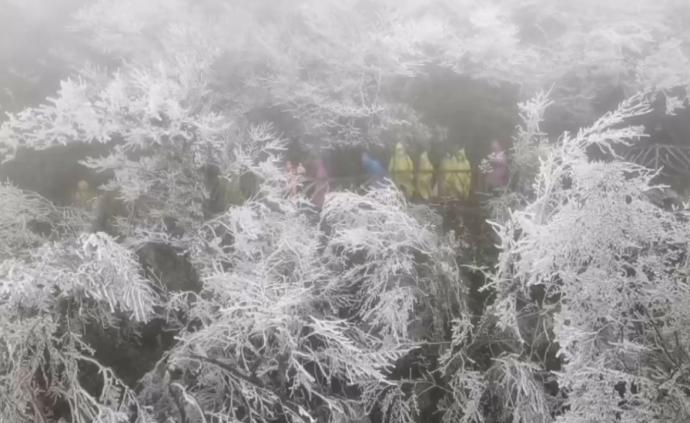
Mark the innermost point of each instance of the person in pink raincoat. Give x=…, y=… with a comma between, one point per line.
x=497, y=176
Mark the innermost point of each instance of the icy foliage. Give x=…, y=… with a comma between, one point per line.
x=166, y=134
x=506, y=385
x=530, y=144
x=19, y=211
x=306, y=317
x=28, y=220
x=46, y=302
x=335, y=68
x=292, y=320
x=609, y=265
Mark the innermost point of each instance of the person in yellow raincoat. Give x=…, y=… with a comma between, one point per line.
x=464, y=177
x=456, y=175
x=446, y=175
x=401, y=170
x=425, y=177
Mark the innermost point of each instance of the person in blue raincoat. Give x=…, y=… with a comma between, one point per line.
x=374, y=170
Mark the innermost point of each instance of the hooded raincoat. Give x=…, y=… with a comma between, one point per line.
x=401, y=169
x=464, y=177
x=425, y=177
x=373, y=169
x=456, y=175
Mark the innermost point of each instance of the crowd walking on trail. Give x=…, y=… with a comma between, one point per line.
x=418, y=179
x=452, y=179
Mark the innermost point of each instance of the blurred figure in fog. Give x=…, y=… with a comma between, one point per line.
x=320, y=181
x=497, y=171
x=295, y=172
x=425, y=177
x=464, y=176
x=456, y=175
x=401, y=169
x=85, y=196
x=374, y=170
x=107, y=206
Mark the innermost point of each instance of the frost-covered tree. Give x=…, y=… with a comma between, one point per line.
x=303, y=316
x=530, y=144
x=605, y=267
x=47, y=301
x=310, y=315
x=336, y=68
x=296, y=319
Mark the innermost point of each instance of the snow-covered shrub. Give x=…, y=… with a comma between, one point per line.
x=19, y=213
x=306, y=317
x=487, y=375
x=393, y=260
x=529, y=145
x=607, y=264
x=283, y=326
x=46, y=302
x=156, y=112
x=28, y=220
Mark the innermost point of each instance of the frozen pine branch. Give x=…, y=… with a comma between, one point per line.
x=46, y=302
x=606, y=259
x=295, y=309
x=21, y=217
x=530, y=145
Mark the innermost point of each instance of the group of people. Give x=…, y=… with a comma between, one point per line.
x=452, y=179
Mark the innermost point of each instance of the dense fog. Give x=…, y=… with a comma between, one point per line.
x=354, y=211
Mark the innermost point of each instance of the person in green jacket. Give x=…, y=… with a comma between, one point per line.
x=401, y=170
